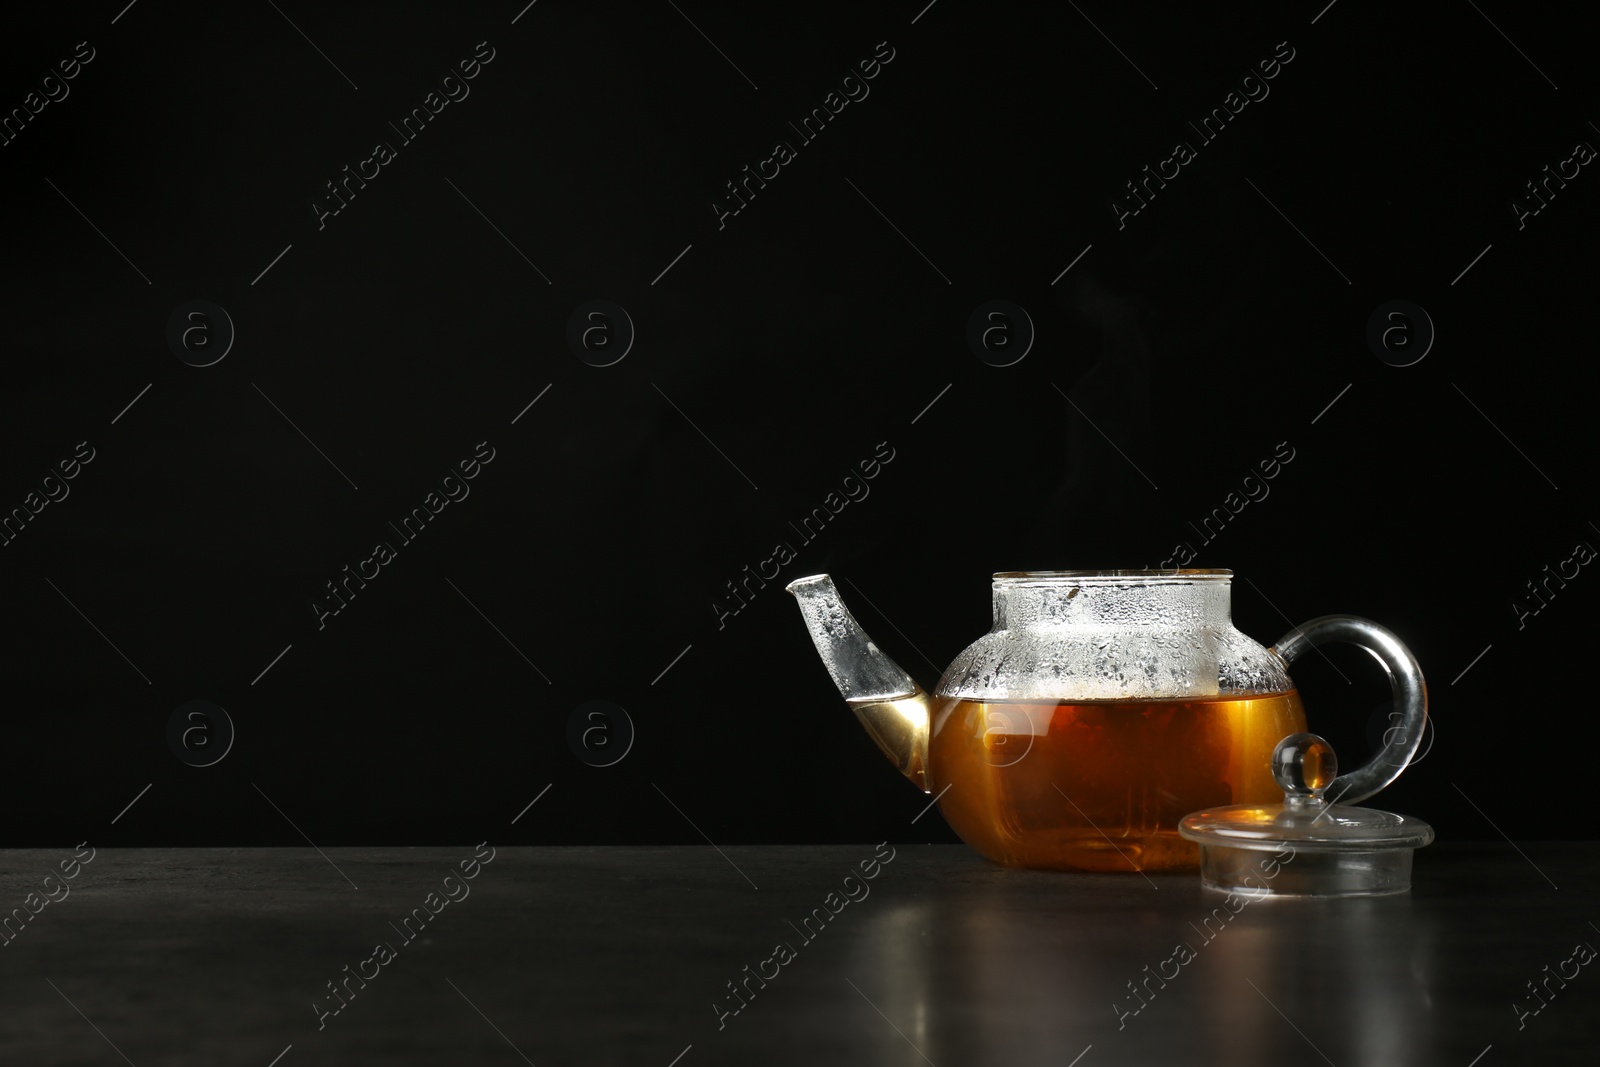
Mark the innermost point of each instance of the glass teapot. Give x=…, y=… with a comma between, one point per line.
x=1102, y=708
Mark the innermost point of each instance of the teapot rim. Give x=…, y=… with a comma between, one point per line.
x=1119, y=576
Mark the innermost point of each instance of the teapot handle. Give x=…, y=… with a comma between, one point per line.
x=1405, y=683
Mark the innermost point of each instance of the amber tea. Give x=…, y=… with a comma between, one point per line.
x=1101, y=786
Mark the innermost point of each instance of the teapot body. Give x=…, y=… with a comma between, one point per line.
x=1100, y=709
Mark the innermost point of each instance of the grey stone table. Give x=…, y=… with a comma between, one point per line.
x=556, y=956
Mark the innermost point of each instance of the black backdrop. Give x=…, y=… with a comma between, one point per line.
x=774, y=349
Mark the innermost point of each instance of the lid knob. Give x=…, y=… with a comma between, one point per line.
x=1304, y=765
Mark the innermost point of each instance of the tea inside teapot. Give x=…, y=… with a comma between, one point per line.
x=1100, y=785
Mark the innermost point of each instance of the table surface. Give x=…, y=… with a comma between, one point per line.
x=624, y=955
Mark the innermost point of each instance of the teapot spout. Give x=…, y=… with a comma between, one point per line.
x=887, y=701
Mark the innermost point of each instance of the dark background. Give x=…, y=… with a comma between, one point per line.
x=797, y=338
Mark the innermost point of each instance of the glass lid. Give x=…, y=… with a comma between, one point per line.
x=1349, y=850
